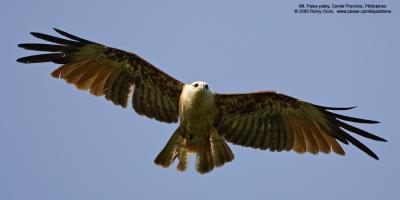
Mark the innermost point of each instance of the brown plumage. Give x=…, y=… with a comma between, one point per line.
x=261, y=120
x=287, y=123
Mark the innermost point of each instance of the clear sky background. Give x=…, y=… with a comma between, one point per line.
x=57, y=142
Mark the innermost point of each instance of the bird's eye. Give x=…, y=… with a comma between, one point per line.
x=196, y=84
x=206, y=86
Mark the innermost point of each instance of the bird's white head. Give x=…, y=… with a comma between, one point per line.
x=200, y=86
x=197, y=89
x=197, y=95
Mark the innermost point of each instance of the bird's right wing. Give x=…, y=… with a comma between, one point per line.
x=110, y=72
x=269, y=120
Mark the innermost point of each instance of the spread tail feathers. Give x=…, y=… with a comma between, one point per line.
x=210, y=153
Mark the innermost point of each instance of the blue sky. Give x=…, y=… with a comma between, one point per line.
x=57, y=142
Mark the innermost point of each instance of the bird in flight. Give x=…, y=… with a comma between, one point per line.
x=265, y=120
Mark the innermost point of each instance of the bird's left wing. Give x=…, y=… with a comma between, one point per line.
x=269, y=120
x=110, y=72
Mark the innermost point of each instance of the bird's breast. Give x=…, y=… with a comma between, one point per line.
x=197, y=111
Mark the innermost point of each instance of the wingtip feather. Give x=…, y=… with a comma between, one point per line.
x=70, y=36
x=58, y=31
x=22, y=60
x=375, y=156
x=36, y=34
x=33, y=33
x=336, y=108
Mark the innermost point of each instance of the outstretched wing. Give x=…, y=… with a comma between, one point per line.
x=110, y=72
x=269, y=120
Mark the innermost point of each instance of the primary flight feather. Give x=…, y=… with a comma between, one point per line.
x=262, y=120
